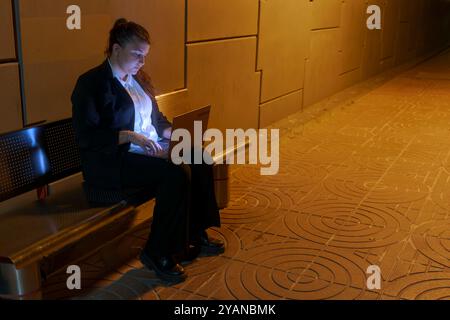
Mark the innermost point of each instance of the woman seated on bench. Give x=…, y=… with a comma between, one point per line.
x=118, y=123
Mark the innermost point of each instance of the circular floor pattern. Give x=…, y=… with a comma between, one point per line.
x=355, y=185
x=290, y=271
x=432, y=239
x=374, y=163
x=421, y=286
x=410, y=169
x=291, y=174
x=348, y=226
x=250, y=205
x=417, y=155
x=369, y=186
x=440, y=195
x=395, y=192
x=324, y=153
x=296, y=147
x=446, y=163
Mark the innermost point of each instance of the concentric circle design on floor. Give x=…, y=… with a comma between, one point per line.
x=322, y=155
x=373, y=163
x=250, y=205
x=355, y=185
x=418, y=155
x=290, y=175
x=296, y=147
x=384, y=193
x=348, y=226
x=421, y=286
x=446, y=164
x=432, y=239
x=440, y=195
x=369, y=186
x=290, y=271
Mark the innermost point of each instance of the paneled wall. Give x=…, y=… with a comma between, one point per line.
x=10, y=102
x=221, y=60
x=54, y=56
x=254, y=61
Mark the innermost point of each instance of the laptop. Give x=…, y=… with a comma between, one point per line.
x=185, y=121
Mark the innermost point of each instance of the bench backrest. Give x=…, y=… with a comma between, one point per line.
x=34, y=157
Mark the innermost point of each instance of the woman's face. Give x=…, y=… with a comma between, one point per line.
x=131, y=57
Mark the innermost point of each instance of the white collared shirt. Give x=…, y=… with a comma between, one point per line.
x=143, y=107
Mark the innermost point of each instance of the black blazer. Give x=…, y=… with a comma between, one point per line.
x=101, y=107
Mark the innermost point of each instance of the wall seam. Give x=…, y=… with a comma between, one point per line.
x=185, y=43
x=221, y=39
x=18, y=38
x=258, y=31
x=282, y=96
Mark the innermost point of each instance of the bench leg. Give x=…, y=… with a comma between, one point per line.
x=221, y=185
x=20, y=283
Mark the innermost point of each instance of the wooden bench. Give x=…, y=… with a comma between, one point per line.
x=39, y=237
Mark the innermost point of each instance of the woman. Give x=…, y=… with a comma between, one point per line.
x=118, y=126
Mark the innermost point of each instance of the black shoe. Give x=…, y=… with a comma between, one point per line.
x=209, y=246
x=165, y=268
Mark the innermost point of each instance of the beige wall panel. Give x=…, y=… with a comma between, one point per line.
x=283, y=46
x=221, y=19
x=165, y=21
x=7, y=47
x=414, y=24
x=174, y=103
x=372, y=54
x=352, y=34
x=280, y=108
x=326, y=14
x=10, y=108
x=222, y=73
x=401, y=50
x=54, y=62
x=372, y=48
x=404, y=11
x=323, y=66
x=407, y=9
x=390, y=23
x=387, y=63
x=422, y=22
x=349, y=79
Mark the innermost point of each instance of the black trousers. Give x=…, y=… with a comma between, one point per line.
x=185, y=200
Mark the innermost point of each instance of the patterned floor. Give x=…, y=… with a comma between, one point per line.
x=364, y=180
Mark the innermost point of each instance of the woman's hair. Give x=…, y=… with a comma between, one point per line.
x=125, y=31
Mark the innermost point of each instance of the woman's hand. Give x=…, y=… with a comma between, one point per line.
x=167, y=133
x=150, y=147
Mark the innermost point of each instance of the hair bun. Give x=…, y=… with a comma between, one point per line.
x=120, y=22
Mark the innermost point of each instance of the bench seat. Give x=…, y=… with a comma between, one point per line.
x=38, y=238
